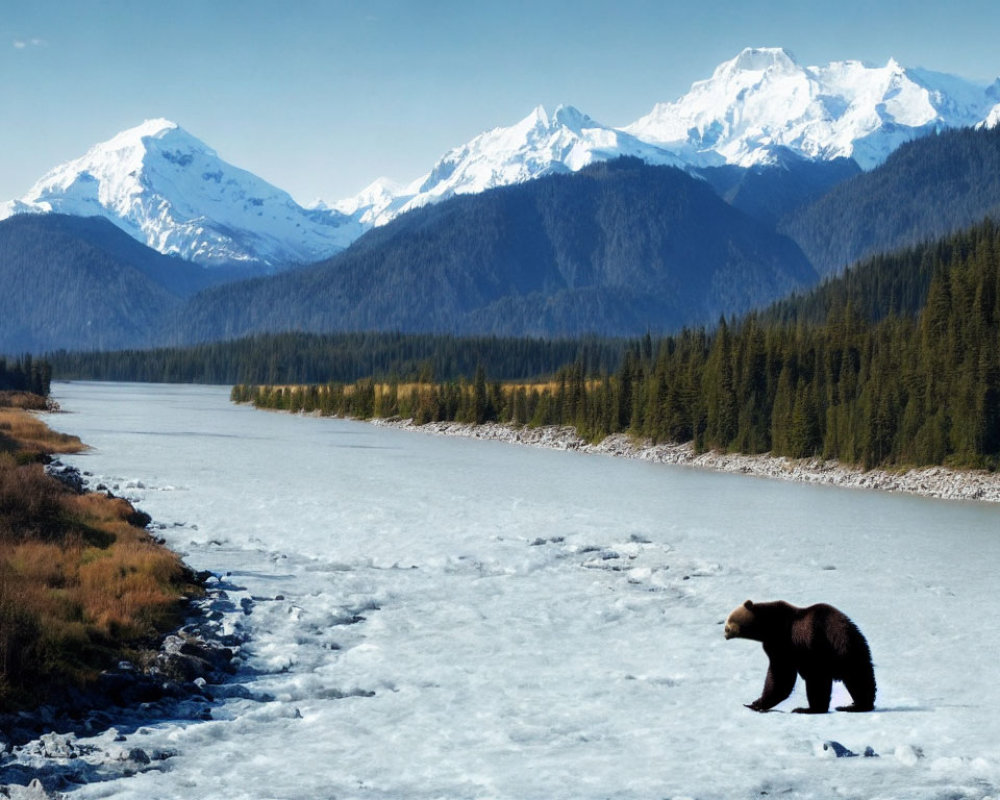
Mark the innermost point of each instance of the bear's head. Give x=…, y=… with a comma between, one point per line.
x=742, y=623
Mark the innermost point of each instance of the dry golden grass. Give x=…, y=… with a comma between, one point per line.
x=79, y=586
x=126, y=590
x=382, y=389
x=31, y=434
x=541, y=386
x=41, y=564
x=99, y=508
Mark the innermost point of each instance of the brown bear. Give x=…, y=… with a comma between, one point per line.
x=819, y=643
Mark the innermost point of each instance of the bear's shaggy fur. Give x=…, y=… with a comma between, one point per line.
x=819, y=643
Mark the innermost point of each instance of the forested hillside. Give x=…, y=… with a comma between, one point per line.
x=872, y=383
x=770, y=192
x=618, y=248
x=81, y=284
x=926, y=189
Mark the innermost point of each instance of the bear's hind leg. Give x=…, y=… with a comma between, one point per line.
x=862, y=691
x=818, y=690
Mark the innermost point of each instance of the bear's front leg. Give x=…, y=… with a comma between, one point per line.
x=778, y=685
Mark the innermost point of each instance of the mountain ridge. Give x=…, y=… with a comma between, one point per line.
x=758, y=110
x=926, y=189
x=617, y=248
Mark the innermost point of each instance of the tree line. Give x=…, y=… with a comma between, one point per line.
x=911, y=379
x=25, y=374
x=318, y=358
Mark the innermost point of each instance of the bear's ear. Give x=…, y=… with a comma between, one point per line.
x=748, y=605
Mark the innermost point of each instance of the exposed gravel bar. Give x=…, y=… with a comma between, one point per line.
x=941, y=482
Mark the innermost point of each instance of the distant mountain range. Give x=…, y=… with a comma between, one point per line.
x=616, y=248
x=761, y=108
x=172, y=192
x=761, y=180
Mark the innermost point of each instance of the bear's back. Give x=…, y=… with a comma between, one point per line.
x=824, y=635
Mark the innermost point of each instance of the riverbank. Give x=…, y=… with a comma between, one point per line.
x=84, y=586
x=102, y=627
x=939, y=482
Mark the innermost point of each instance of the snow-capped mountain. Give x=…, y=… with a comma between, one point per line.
x=992, y=119
x=540, y=144
x=172, y=192
x=169, y=190
x=764, y=100
x=762, y=107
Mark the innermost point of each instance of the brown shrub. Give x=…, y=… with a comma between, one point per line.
x=25, y=400
x=29, y=501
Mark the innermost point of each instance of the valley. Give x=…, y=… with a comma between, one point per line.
x=759, y=301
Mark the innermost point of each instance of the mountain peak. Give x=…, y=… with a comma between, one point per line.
x=137, y=137
x=572, y=118
x=763, y=101
x=565, y=116
x=759, y=59
x=892, y=65
x=169, y=190
x=151, y=127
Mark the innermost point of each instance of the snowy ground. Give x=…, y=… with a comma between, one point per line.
x=434, y=617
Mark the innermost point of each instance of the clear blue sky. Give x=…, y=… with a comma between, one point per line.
x=320, y=97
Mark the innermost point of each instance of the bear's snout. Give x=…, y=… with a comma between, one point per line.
x=732, y=630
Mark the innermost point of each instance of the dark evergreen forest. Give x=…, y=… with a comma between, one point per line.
x=318, y=358
x=25, y=374
x=895, y=363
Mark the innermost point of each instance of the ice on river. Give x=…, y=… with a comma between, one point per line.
x=444, y=618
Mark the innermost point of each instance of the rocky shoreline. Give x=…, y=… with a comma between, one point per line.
x=97, y=733
x=181, y=676
x=41, y=753
x=939, y=482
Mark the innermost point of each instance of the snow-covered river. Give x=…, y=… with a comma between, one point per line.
x=444, y=618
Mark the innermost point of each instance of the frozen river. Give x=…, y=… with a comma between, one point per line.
x=443, y=618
